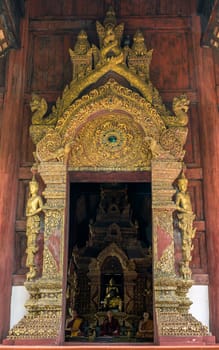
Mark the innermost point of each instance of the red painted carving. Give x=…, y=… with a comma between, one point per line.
x=54, y=246
x=164, y=240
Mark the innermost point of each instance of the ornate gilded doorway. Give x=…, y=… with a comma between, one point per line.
x=110, y=119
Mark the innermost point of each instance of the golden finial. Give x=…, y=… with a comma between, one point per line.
x=182, y=178
x=33, y=181
x=110, y=20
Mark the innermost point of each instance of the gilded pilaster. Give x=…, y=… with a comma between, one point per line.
x=165, y=297
x=170, y=292
x=45, y=302
x=54, y=175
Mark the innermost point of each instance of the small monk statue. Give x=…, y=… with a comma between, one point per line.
x=145, y=327
x=110, y=325
x=75, y=325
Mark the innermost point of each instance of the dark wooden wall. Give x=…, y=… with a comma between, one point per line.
x=42, y=65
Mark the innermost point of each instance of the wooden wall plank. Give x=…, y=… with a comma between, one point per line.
x=132, y=24
x=3, y=61
x=138, y=8
x=170, y=68
x=177, y=8
x=6, y=244
x=209, y=135
x=199, y=225
x=25, y=173
x=216, y=65
x=199, y=256
x=192, y=146
x=43, y=8
x=168, y=95
x=20, y=257
x=27, y=147
x=216, y=69
x=23, y=191
x=194, y=173
x=195, y=190
x=47, y=67
x=9, y=155
x=83, y=8
x=125, y=7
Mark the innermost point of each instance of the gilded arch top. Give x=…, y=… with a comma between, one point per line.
x=133, y=111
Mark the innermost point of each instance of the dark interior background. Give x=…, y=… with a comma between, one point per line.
x=84, y=201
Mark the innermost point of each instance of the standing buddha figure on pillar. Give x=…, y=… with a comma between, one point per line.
x=34, y=207
x=185, y=216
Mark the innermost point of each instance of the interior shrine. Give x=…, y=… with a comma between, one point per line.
x=109, y=170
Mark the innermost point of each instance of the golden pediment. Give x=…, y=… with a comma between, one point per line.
x=110, y=116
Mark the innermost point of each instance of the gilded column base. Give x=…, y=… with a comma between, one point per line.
x=173, y=323
x=183, y=287
x=165, y=293
x=44, y=312
x=172, y=306
x=46, y=325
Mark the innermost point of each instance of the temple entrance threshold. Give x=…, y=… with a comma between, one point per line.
x=79, y=346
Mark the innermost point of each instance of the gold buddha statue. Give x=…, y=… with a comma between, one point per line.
x=112, y=300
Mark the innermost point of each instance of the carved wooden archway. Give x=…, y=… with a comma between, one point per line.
x=112, y=127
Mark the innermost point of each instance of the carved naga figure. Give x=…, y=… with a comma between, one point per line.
x=110, y=37
x=180, y=107
x=38, y=106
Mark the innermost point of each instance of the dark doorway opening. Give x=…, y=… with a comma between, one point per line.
x=104, y=217
x=84, y=201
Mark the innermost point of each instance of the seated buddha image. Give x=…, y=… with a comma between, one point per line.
x=112, y=299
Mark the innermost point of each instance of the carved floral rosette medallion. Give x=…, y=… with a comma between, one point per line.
x=115, y=142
